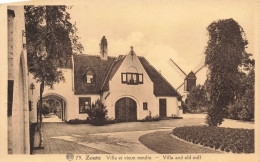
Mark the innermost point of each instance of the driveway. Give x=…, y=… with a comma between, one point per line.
x=120, y=138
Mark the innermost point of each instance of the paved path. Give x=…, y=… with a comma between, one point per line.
x=51, y=118
x=59, y=146
x=113, y=143
x=120, y=138
x=88, y=139
x=237, y=124
x=229, y=123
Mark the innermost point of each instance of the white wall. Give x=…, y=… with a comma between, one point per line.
x=172, y=109
x=140, y=93
x=63, y=90
x=18, y=122
x=73, y=112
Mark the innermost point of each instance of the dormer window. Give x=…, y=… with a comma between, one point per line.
x=89, y=76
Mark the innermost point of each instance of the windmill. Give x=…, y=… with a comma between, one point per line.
x=190, y=79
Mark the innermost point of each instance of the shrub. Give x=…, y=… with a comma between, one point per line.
x=233, y=110
x=151, y=118
x=80, y=121
x=97, y=113
x=110, y=120
x=214, y=117
x=77, y=121
x=196, y=101
x=243, y=106
x=184, y=107
x=225, y=139
x=242, y=109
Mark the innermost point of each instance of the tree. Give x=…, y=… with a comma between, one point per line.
x=243, y=107
x=51, y=39
x=247, y=99
x=45, y=109
x=196, y=101
x=225, y=52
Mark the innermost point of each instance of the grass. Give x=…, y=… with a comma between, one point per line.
x=226, y=139
x=162, y=142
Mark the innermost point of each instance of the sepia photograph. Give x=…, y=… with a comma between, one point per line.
x=112, y=80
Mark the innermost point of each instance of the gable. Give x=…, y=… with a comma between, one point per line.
x=161, y=86
x=105, y=70
x=129, y=71
x=116, y=64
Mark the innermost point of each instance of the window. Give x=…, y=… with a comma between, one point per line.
x=129, y=76
x=140, y=78
x=89, y=76
x=145, y=106
x=84, y=104
x=132, y=78
x=123, y=77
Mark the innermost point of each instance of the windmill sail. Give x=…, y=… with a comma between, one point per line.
x=199, y=69
x=200, y=65
x=177, y=68
x=180, y=86
x=190, y=79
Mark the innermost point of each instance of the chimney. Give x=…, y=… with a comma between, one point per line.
x=103, y=48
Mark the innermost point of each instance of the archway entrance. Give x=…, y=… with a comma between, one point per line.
x=125, y=110
x=54, y=108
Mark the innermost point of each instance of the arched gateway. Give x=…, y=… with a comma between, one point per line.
x=56, y=105
x=126, y=110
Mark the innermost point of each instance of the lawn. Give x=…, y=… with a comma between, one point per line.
x=226, y=139
x=163, y=143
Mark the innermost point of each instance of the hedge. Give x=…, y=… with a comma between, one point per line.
x=226, y=139
x=80, y=121
x=77, y=121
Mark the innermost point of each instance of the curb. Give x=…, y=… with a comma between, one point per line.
x=218, y=150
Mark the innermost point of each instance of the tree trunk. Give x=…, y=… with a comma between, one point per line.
x=40, y=110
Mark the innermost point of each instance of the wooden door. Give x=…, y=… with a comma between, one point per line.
x=126, y=110
x=162, y=108
x=120, y=110
x=131, y=113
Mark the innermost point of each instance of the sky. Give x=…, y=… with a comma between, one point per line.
x=159, y=30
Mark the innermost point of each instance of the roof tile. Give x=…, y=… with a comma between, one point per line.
x=161, y=86
x=104, y=70
x=98, y=66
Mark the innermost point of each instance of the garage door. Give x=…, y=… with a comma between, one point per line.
x=126, y=110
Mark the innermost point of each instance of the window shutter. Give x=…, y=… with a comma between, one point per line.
x=30, y=105
x=10, y=96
